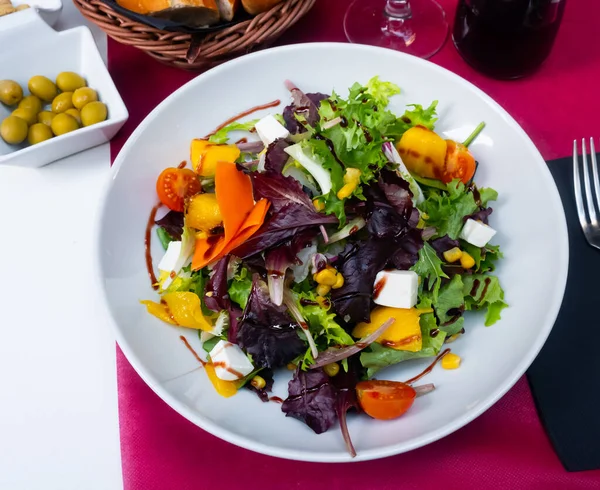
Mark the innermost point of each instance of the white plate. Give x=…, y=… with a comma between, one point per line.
x=528, y=215
x=48, y=53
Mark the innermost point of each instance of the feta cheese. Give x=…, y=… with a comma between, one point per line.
x=270, y=129
x=397, y=289
x=230, y=361
x=477, y=233
x=169, y=260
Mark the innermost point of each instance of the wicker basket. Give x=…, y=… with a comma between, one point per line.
x=191, y=51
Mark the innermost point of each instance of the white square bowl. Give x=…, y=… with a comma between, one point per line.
x=42, y=51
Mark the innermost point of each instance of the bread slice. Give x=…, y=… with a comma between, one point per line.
x=254, y=7
x=192, y=13
x=228, y=8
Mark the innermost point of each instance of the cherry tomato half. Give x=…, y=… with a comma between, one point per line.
x=385, y=400
x=460, y=164
x=174, y=185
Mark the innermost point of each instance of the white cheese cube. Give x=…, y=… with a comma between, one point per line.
x=230, y=361
x=395, y=288
x=270, y=129
x=477, y=233
x=169, y=260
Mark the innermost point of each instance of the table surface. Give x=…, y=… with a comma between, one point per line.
x=58, y=420
x=58, y=409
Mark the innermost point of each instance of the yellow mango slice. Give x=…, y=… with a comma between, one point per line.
x=223, y=388
x=423, y=152
x=403, y=334
x=197, y=150
x=205, y=156
x=185, y=309
x=159, y=310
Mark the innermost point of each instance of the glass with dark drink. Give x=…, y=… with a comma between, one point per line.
x=506, y=38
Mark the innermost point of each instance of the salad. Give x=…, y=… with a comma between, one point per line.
x=333, y=239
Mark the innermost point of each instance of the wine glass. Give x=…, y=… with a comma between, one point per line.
x=416, y=27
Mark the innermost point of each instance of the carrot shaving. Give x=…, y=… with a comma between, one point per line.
x=241, y=216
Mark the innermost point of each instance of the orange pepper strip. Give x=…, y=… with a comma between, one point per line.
x=241, y=217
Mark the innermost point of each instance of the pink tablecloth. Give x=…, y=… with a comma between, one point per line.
x=505, y=448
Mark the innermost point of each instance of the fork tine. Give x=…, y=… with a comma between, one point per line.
x=589, y=197
x=596, y=178
x=577, y=188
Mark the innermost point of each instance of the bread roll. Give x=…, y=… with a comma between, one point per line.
x=193, y=13
x=228, y=8
x=254, y=7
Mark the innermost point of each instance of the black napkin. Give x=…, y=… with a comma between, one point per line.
x=565, y=377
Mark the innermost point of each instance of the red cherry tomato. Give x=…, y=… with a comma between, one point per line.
x=460, y=164
x=174, y=185
x=385, y=400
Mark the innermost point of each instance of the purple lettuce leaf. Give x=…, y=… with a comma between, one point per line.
x=303, y=104
x=312, y=399
x=481, y=215
x=263, y=393
x=276, y=158
x=443, y=244
x=397, y=192
x=291, y=212
x=216, y=297
x=360, y=263
x=266, y=331
x=235, y=316
x=407, y=251
x=172, y=223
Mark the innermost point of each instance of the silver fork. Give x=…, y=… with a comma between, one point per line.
x=588, y=203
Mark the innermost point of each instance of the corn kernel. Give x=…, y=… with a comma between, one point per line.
x=452, y=338
x=466, y=261
x=323, y=289
x=319, y=206
x=258, y=382
x=291, y=366
x=351, y=176
x=451, y=361
x=326, y=277
x=339, y=281
x=331, y=369
x=346, y=191
x=453, y=254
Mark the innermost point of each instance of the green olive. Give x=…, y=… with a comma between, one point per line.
x=31, y=102
x=27, y=115
x=63, y=123
x=69, y=81
x=62, y=102
x=10, y=92
x=45, y=117
x=43, y=88
x=75, y=114
x=38, y=132
x=83, y=96
x=93, y=113
x=13, y=130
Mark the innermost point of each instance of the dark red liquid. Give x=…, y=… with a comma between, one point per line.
x=506, y=38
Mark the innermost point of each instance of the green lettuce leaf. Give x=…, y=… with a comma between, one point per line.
x=484, y=291
x=382, y=91
x=222, y=135
x=239, y=289
x=429, y=269
x=445, y=210
x=450, y=300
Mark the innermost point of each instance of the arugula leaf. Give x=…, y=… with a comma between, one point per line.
x=484, y=291
x=240, y=287
x=210, y=343
x=429, y=268
x=222, y=135
x=490, y=254
x=377, y=357
x=449, y=306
